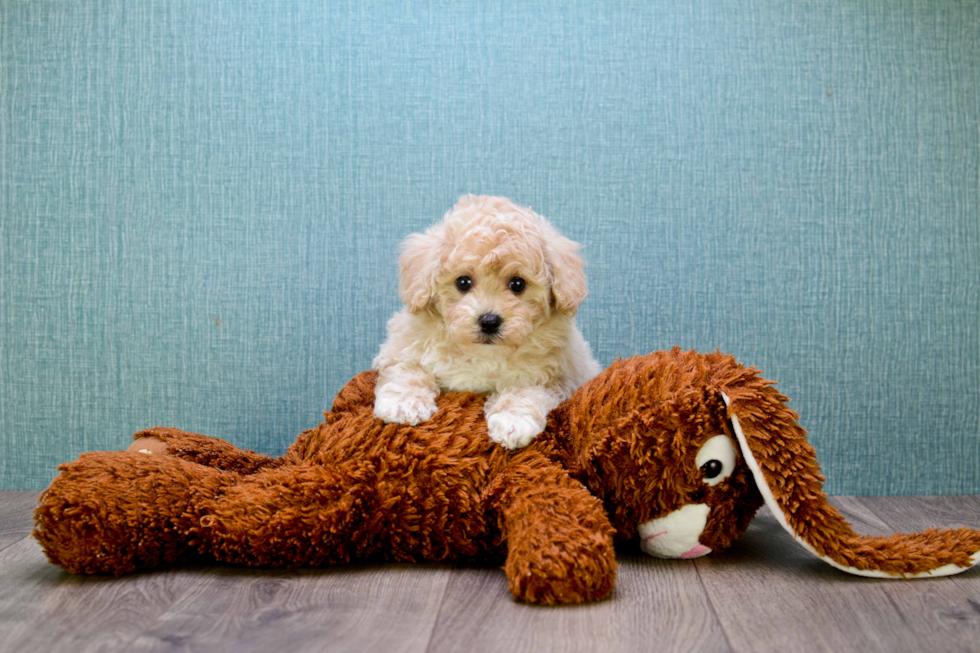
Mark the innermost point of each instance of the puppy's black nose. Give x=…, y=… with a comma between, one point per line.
x=490, y=323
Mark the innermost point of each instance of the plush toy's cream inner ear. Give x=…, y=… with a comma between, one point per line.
x=897, y=545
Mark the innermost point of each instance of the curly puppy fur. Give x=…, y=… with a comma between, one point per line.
x=529, y=357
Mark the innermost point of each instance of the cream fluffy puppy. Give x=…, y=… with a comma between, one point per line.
x=490, y=294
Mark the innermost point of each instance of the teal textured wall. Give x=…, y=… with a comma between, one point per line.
x=201, y=201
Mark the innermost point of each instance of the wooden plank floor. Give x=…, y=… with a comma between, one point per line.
x=765, y=594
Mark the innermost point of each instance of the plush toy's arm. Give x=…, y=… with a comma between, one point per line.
x=203, y=450
x=559, y=540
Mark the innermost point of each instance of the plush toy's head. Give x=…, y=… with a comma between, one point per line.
x=657, y=447
x=683, y=448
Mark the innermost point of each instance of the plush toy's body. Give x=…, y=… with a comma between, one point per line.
x=352, y=488
x=647, y=448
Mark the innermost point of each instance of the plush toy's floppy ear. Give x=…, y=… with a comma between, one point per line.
x=786, y=472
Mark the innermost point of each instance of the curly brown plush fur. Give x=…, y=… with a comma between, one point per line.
x=351, y=488
x=620, y=453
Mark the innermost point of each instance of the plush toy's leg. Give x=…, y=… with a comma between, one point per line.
x=559, y=540
x=296, y=516
x=200, y=449
x=116, y=512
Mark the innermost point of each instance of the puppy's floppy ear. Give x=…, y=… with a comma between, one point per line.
x=418, y=266
x=786, y=472
x=567, y=269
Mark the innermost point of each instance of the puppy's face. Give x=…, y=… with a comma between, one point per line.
x=493, y=271
x=492, y=305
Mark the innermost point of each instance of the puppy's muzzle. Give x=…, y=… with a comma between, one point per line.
x=490, y=323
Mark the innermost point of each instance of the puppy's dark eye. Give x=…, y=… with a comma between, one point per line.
x=516, y=285
x=712, y=468
x=464, y=283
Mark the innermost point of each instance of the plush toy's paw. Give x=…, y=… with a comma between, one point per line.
x=513, y=430
x=563, y=560
x=404, y=405
x=554, y=581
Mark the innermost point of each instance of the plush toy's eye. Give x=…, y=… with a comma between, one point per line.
x=516, y=285
x=716, y=459
x=464, y=283
x=711, y=468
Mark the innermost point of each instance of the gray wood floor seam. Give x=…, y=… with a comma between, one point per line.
x=16, y=516
x=125, y=646
x=435, y=622
x=711, y=604
x=5, y=543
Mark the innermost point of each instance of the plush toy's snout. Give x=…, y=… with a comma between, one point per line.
x=677, y=535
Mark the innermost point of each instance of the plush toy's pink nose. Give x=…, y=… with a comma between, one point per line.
x=696, y=551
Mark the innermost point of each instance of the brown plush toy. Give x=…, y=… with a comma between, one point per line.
x=677, y=448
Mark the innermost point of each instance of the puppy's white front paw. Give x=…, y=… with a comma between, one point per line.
x=405, y=407
x=513, y=430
